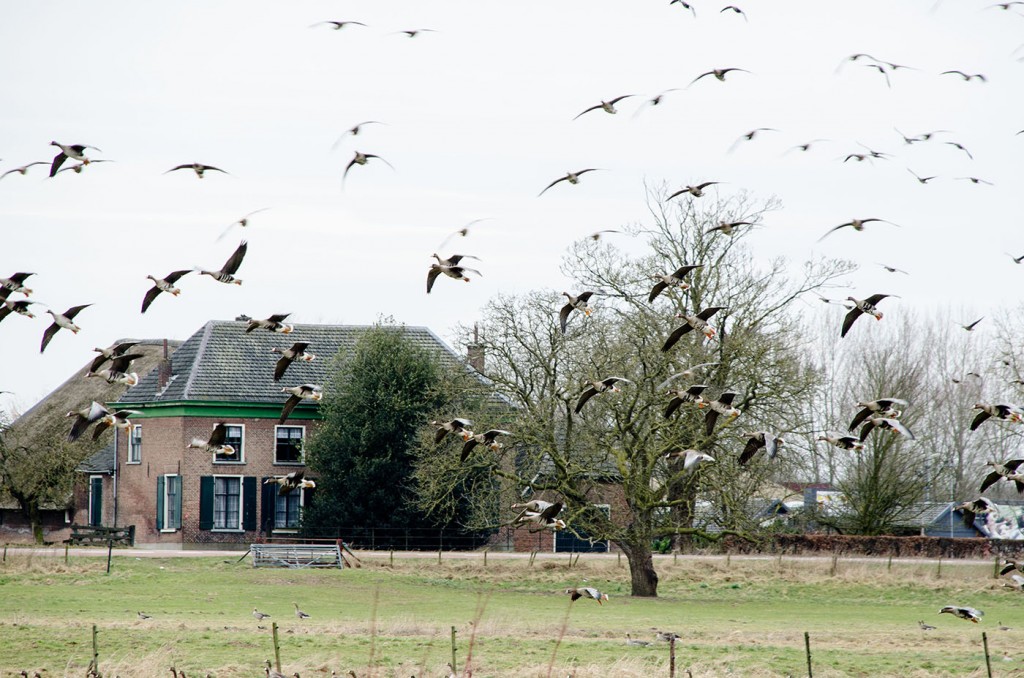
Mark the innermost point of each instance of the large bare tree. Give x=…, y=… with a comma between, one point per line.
x=612, y=451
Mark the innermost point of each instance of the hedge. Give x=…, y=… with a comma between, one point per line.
x=926, y=547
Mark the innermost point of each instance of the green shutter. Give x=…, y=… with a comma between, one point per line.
x=177, y=503
x=206, y=503
x=249, y=503
x=160, y=502
x=268, y=507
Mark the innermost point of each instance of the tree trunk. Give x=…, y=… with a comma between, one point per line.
x=643, y=578
x=31, y=511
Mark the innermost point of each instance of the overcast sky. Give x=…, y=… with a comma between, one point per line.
x=479, y=118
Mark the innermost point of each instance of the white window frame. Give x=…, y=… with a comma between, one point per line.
x=302, y=506
x=302, y=460
x=241, y=455
x=241, y=504
x=131, y=440
x=167, y=504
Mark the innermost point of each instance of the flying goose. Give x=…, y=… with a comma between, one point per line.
x=975, y=180
x=163, y=285
x=855, y=224
x=77, y=169
x=289, y=355
x=843, y=441
x=684, y=5
x=118, y=370
x=960, y=147
x=696, y=191
x=243, y=222
x=16, y=283
x=578, y=303
x=722, y=405
x=361, y=159
x=535, y=506
x=118, y=419
x=893, y=269
x=106, y=354
x=456, y=425
x=20, y=307
x=337, y=26
x=73, y=151
x=199, y=168
x=883, y=407
x=769, y=441
x=676, y=279
x=586, y=592
x=456, y=272
x=274, y=323
x=690, y=373
x=749, y=136
x=734, y=9
x=571, y=177
x=656, y=99
x=920, y=179
x=299, y=613
x=966, y=76
x=292, y=481
x=595, y=387
x=728, y=227
x=607, y=106
x=227, y=273
x=23, y=169
x=1008, y=470
x=216, y=445
x=298, y=394
x=461, y=233
x=487, y=438
x=416, y=31
x=972, y=509
x=84, y=418
x=453, y=260
x=968, y=613
x=545, y=518
x=1012, y=565
x=692, y=459
x=804, y=146
x=860, y=307
x=719, y=74
x=1003, y=411
x=693, y=322
x=691, y=394
x=889, y=423
x=970, y=326
x=1016, y=260
x=61, y=321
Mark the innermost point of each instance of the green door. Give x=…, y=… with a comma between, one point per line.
x=96, y=501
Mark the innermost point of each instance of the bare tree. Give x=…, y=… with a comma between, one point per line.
x=612, y=450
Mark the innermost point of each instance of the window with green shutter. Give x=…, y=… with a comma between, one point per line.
x=249, y=493
x=159, y=502
x=206, y=503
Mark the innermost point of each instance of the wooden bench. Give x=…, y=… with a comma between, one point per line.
x=95, y=535
x=296, y=555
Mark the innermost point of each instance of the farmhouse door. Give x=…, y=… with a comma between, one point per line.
x=96, y=501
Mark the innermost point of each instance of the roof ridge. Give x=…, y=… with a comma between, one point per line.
x=207, y=331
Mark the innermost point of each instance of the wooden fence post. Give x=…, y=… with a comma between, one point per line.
x=807, y=649
x=110, y=552
x=95, y=651
x=988, y=661
x=454, y=669
x=277, y=647
x=672, y=656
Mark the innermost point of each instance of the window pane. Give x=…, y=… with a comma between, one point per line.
x=172, y=486
x=233, y=437
x=288, y=448
x=226, y=496
x=135, y=444
x=286, y=514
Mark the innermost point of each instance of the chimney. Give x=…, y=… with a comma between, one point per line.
x=242, y=318
x=164, y=369
x=475, y=351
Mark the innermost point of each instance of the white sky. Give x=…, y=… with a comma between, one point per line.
x=479, y=120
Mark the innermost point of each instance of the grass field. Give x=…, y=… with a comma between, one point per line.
x=744, y=618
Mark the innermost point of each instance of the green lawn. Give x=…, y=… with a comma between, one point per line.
x=746, y=619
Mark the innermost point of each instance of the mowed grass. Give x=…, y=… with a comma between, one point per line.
x=743, y=618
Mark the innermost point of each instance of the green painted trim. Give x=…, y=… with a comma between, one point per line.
x=216, y=409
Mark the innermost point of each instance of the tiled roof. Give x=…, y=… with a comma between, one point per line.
x=101, y=462
x=221, y=362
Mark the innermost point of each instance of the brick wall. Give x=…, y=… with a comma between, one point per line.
x=164, y=451
x=544, y=541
